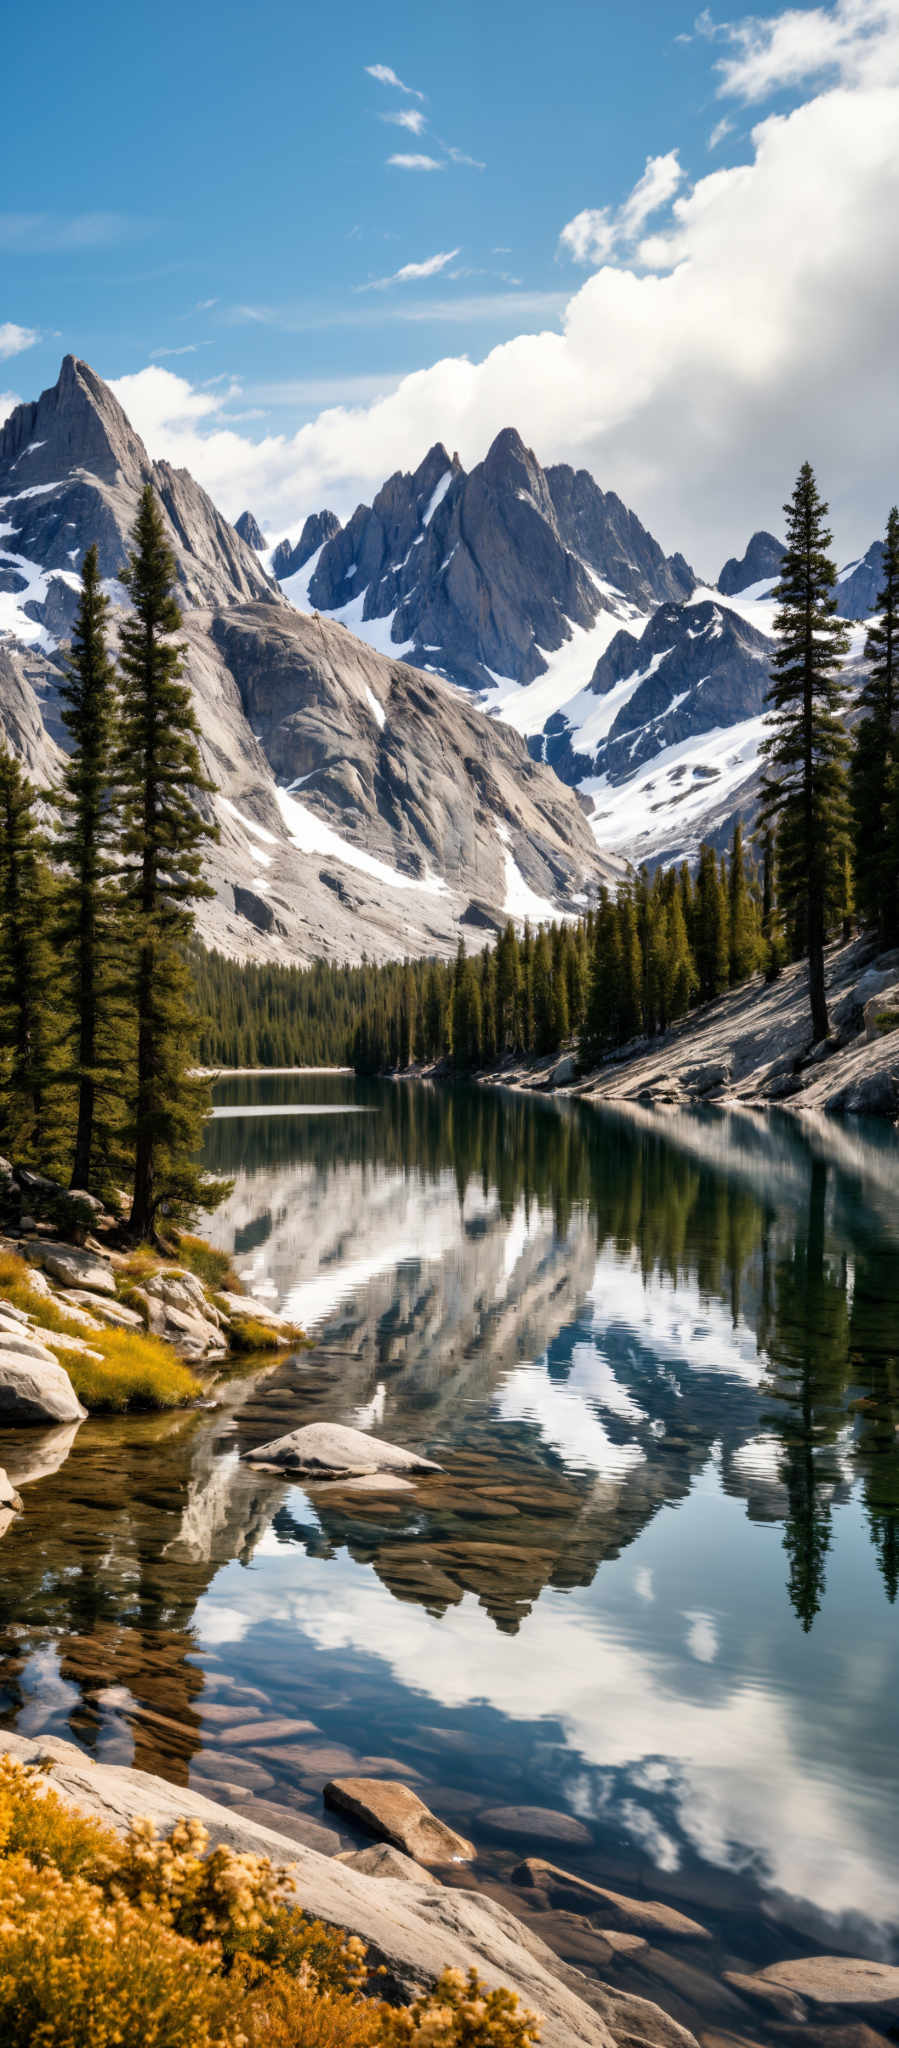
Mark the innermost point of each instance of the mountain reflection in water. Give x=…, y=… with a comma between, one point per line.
x=658, y=1361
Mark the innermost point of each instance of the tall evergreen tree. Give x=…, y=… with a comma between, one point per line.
x=805, y=780
x=27, y=1002
x=711, y=939
x=874, y=768
x=161, y=782
x=84, y=851
x=743, y=920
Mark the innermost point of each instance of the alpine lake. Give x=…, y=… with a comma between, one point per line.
x=642, y=1623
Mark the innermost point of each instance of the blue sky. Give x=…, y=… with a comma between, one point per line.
x=197, y=191
x=251, y=165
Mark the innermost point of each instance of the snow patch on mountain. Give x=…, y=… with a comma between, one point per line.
x=310, y=834
x=527, y=706
x=665, y=806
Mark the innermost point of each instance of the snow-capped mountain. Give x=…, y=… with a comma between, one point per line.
x=548, y=598
x=363, y=807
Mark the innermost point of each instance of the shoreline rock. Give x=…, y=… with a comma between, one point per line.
x=398, y=1816
x=415, y=1931
x=329, y=1450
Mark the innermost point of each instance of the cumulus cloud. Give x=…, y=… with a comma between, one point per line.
x=594, y=234
x=415, y=163
x=759, y=326
x=410, y=272
x=13, y=338
x=858, y=40
x=8, y=402
x=385, y=75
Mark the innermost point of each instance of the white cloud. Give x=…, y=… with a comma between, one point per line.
x=13, y=338
x=408, y=117
x=721, y=128
x=415, y=163
x=187, y=348
x=760, y=327
x=8, y=402
x=410, y=272
x=458, y=156
x=857, y=40
x=593, y=234
x=385, y=75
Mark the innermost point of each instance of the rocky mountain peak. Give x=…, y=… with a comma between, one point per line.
x=760, y=564
x=250, y=531
x=78, y=424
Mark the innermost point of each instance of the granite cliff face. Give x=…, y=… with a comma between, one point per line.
x=418, y=816
x=482, y=574
x=760, y=564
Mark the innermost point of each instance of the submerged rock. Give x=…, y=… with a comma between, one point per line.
x=400, y=1817
x=538, y=1820
x=835, y=1980
x=641, y=1916
x=331, y=1450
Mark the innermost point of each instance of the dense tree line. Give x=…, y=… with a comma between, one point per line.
x=99, y=1025
x=632, y=964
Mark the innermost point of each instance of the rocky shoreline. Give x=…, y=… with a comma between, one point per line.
x=753, y=1047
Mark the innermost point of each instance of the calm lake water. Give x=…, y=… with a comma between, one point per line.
x=653, y=1591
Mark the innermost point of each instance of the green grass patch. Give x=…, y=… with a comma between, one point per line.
x=888, y=1020
x=17, y=1286
x=247, y=1333
x=133, y=1371
x=211, y=1266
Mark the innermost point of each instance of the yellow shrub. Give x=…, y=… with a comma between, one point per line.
x=211, y=1266
x=78, y=1971
x=133, y=1371
x=460, y=2012
x=36, y=1823
x=246, y=1333
x=17, y=1286
x=155, y=1943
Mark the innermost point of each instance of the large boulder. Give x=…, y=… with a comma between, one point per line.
x=383, y=1860
x=34, y=1390
x=9, y=1498
x=397, y=1815
x=836, y=1980
x=70, y=1266
x=329, y=1450
x=416, y=1931
x=177, y=1309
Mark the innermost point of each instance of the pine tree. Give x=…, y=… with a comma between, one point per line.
x=804, y=790
x=743, y=922
x=163, y=829
x=711, y=942
x=27, y=997
x=875, y=757
x=86, y=894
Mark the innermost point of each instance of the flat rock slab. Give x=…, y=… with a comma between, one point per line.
x=71, y=1267
x=298, y=1827
x=836, y=1980
x=417, y=1931
x=642, y=1916
x=538, y=1820
x=398, y=1815
x=383, y=1860
x=278, y=1728
x=785, y=2004
x=330, y=1451
x=33, y=1391
x=115, y=1314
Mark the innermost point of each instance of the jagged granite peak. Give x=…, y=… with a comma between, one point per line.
x=318, y=528
x=598, y=527
x=413, y=805
x=250, y=530
x=698, y=667
x=760, y=564
x=859, y=585
x=482, y=575
x=71, y=473
x=77, y=424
